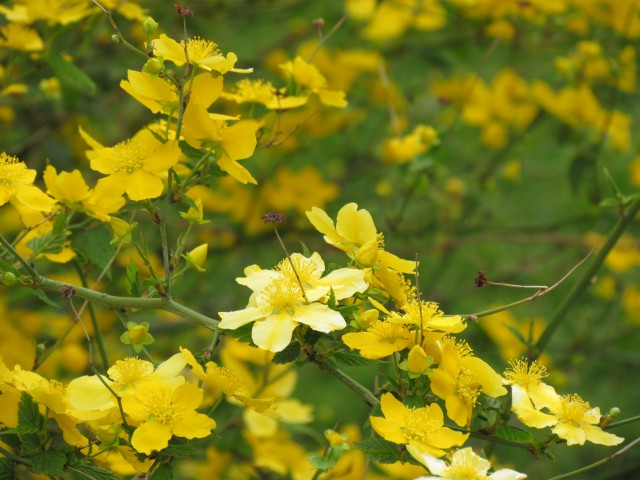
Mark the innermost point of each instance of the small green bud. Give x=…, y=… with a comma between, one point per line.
x=154, y=66
x=149, y=26
x=9, y=279
x=40, y=349
x=614, y=412
x=116, y=39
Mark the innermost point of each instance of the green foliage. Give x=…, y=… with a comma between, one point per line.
x=50, y=463
x=379, y=450
x=288, y=355
x=90, y=471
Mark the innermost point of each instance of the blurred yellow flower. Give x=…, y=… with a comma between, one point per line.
x=16, y=185
x=19, y=37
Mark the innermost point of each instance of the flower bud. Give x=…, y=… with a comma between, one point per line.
x=614, y=412
x=9, y=279
x=194, y=214
x=149, y=26
x=367, y=254
x=121, y=230
x=116, y=39
x=196, y=257
x=418, y=362
x=334, y=438
x=154, y=66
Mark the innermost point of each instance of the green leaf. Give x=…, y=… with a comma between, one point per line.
x=43, y=297
x=514, y=331
x=48, y=463
x=31, y=443
x=379, y=450
x=7, y=468
x=94, y=473
x=29, y=413
x=133, y=282
x=321, y=463
x=183, y=450
x=163, y=472
x=305, y=250
x=288, y=355
x=609, y=202
x=96, y=247
x=242, y=333
x=5, y=267
x=514, y=434
x=351, y=359
x=71, y=76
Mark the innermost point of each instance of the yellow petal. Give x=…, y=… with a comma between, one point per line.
x=274, y=332
x=355, y=226
x=142, y=185
x=151, y=436
x=193, y=425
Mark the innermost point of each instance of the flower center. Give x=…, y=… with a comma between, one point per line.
x=157, y=403
x=200, y=49
x=388, y=331
x=130, y=371
x=467, y=386
x=12, y=170
x=307, y=270
x=282, y=293
x=467, y=466
x=130, y=156
x=573, y=408
x=229, y=381
x=418, y=426
x=521, y=373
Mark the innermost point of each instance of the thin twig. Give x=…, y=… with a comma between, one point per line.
x=32, y=272
x=603, y=461
x=535, y=296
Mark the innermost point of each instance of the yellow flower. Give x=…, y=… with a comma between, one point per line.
x=203, y=53
x=90, y=399
x=235, y=142
x=260, y=91
x=355, y=233
x=68, y=187
x=381, y=339
x=465, y=464
x=16, y=185
x=135, y=166
x=422, y=429
x=306, y=75
x=19, y=37
x=527, y=386
x=277, y=308
x=137, y=335
x=404, y=149
x=459, y=379
x=162, y=412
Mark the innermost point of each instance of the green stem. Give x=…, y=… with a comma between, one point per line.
x=369, y=398
x=113, y=301
x=97, y=333
x=599, y=462
x=14, y=457
x=622, y=224
x=164, y=241
x=19, y=257
x=623, y=422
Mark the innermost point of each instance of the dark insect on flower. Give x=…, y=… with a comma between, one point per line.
x=273, y=217
x=182, y=10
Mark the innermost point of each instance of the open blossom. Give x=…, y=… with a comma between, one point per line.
x=163, y=412
x=135, y=166
x=286, y=297
x=421, y=429
x=460, y=378
x=16, y=185
x=465, y=464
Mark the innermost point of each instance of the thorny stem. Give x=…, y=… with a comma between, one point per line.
x=603, y=461
x=559, y=315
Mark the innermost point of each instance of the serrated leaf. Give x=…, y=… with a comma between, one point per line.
x=185, y=450
x=5, y=267
x=94, y=473
x=96, y=246
x=321, y=463
x=71, y=76
x=48, y=463
x=514, y=434
x=242, y=333
x=31, y=443
x=163, y=472
x=43, y=297
x=133, y=282
x=29, y=413
x=288, y=355
x=7, y=468
x=379, y=450
x=351, y=359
